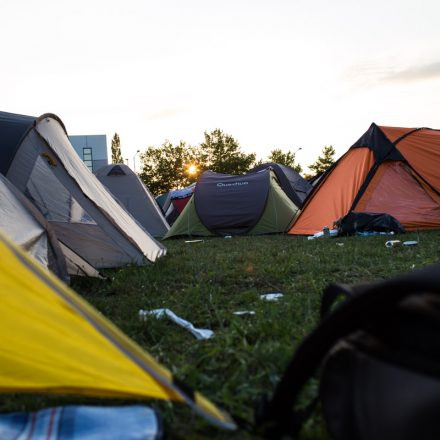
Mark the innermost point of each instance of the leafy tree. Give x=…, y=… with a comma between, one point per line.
x=116, y=149
x=166, y=167
x=323, y=163
x=288, y=159
x=221, y=153
x=175, y=166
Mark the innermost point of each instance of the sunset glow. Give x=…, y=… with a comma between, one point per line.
x=279, y=74
x=192, y=169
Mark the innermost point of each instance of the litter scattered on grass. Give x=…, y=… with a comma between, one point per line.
x=335, y=232
x=244, y=312
x=228, y=236
x=272, y=296
x=326, y=233
x=312, y=237
x=199, y=333
x=370, y=233
x=340, y=244
x=194, y=241
x=392, y=243
x=317, y=235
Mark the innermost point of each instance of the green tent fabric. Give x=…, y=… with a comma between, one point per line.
x=276, y=216
x=279, y=213
x=188, y=223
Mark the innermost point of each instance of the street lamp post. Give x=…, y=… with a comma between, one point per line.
x=134, y=160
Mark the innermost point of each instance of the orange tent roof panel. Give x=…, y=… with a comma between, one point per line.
x=335, y=195
x=395, y=191
x=394, y=133
x=422, y=151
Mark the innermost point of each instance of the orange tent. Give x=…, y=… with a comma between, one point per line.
x=388, y=170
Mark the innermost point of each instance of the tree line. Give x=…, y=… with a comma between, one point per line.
x=171, y=166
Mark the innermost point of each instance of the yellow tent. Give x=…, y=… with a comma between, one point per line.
x=53, y=341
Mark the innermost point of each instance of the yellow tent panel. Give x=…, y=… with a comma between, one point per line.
x=53, y=341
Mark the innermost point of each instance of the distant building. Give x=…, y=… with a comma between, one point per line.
x=92, y=149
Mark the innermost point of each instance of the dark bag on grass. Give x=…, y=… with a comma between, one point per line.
x=368, y=222
x=378, y=355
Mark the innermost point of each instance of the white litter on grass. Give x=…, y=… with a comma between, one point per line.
x=327, y=233
x=271, y=296
x=340, y=244
x=317, y=235
x=194, y=241
x=228, y=236
x=244, y=312
x=199, y=333
x=392, y=243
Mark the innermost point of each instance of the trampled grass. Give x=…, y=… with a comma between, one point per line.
x=205, y=282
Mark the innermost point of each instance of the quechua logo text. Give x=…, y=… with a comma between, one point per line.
x=223, y=185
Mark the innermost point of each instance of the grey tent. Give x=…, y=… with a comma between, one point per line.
x=37, y=157
x=293, y=184
x=224, y=204
x=25, y=225
x=128, y=189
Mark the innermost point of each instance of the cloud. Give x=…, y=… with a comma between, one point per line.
x=164, y=114
x=419, y=72
x=373, y=74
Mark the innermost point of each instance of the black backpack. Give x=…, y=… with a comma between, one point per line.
x=378, y=357
x=368, y=222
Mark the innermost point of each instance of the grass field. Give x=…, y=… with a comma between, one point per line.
x=206, y=282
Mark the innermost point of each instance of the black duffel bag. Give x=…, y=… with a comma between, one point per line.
x=368, y=222
x=377, y=356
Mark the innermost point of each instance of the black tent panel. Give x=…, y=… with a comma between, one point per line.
x=116, y=171
x=375, y=139
x=292, y=183
x=296, y=181
x=229, y=204
x=12, y=129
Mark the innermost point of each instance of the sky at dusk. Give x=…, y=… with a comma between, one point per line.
x=273, y=74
